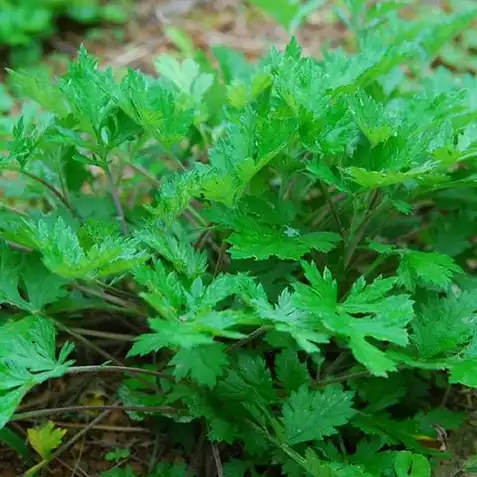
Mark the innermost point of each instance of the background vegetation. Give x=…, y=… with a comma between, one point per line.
x=234, y=264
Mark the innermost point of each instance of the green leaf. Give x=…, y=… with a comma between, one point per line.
x=444, y=325
x=64, y=255
x=39, y=87
x=374, y=121
x=428, y=269
x=290, y=371
x=41, y=286
x=176, y=193
x=179, y=253
x=186, y=76
x=27, y=358
x=408, y=464
x=311, y=415
x=45, y=439
x=463, y=371
x=15, y=442
x=288, y=13
x=286, y=317
x=249, y=383
x=203, y=363
x=382, y=316
x=261, y=242
x=188, y=332
x=159, y=110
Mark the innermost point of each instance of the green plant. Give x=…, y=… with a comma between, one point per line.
x=24, y=22
x=293, y=237
x=291, y=14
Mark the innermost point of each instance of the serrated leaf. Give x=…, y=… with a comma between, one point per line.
x=381, y=316
x=312, y=415
x=286, y=317
x=463, y=371
x=250, y=383
x=290, y=371
x=64, y=255
x=428, y=269
x=260, y=243
x=204, y=363
x=40, y=89
x=188, y=332
x=156, y=108
x=372, y=118
x=186, y=76
x=27, y=358
x=444, y=325
x=180, y=254
x=45, y=439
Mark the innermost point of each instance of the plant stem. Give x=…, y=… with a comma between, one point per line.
x=144, y=172
x=87, y=343
x=339, y=379
x=50, y=187
x=13, y=210
x=331, y=205
x=110, y=298
x=106, y=407
x=116, y=200
x=254, y=334
x=116, y=369
x=99, y=427
x=378, y=262
x=76, y=437
x=361, y=229
x=104, y=335
x=218, y=462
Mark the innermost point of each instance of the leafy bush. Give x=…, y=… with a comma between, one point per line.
x=293, y=236
x=23, y=22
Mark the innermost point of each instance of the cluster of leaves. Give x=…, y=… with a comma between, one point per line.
x=25, y=22
x=294, y=237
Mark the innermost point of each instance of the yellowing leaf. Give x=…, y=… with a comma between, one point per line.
x=45, y=439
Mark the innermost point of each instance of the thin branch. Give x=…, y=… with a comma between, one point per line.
x=218, y=462
x=75, y=438
x=104, y=334
x=361, y=230
x=116, y=200
x=254, y=334
x=13, y=210
x=109, y=298
x=19, y=246
x=106, y=407
x=220, y=258
x=88, y=343
x=102, y=427
x=144, y=172
x=50, y=187
x=339, y=379
x=331, y=205
x=116, y=369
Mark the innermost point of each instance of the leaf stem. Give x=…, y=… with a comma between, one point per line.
x=116, y=200
x=109, y=298
x=351, y=249
x=339, y=379
x=106, y=407
x=50, y=187
x=87, y=343
x=324, y=191
x=116, y=369
x=104, y=335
